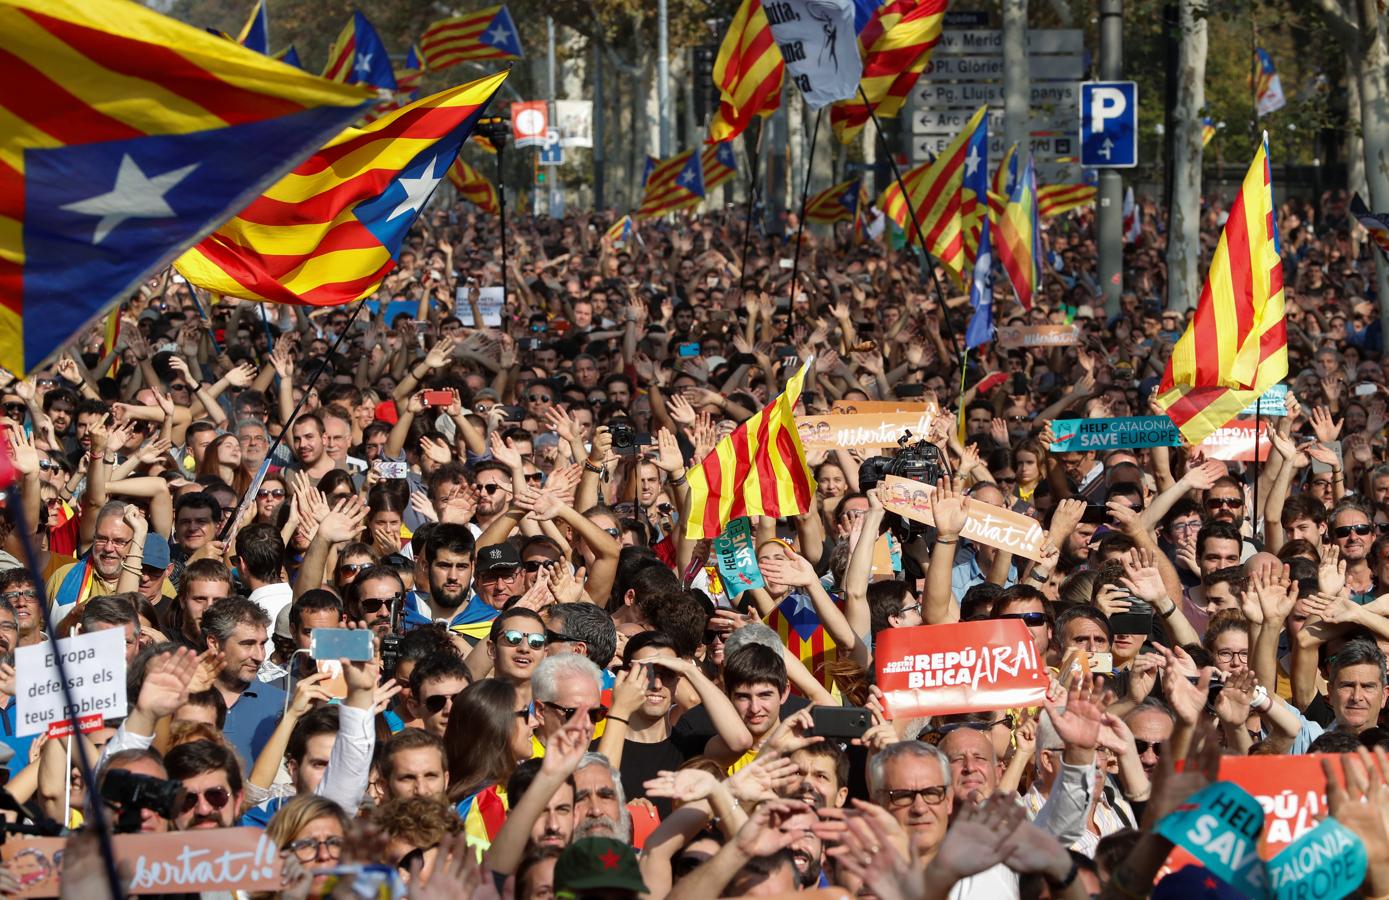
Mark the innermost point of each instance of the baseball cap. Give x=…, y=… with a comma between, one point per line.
x=1192, y=883
x=598, y=863
x=497, y=556
x=156, y=552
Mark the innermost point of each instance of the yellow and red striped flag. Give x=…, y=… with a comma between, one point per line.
x=622, y=231
x=758, y=470
x=1019, y=237
x=836, y=203
x=1002, y=185
x=1236, y=346
x=328, y=232
x=748, y=72
x=936, y=189
x=676, y=182
x=1055, y=199
x=359, y=57
x=1377, y=224
x=486, y=34
x=895, y=44
x=473, y=187
x=719, y=164
x=1207, y=131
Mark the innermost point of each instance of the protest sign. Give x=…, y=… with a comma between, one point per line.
x=887, y=555
x=1220, y=827
x=736, y=553
x=863, y=430
x=1010, y=336
x=179, y=862
x=876, y=407
x=1274, y=402
x=1235, y=441
x=95, y=667
x=992, y=525
x=1326, y=863
x=1113, y=434
x=933, y=670
x=489, y=303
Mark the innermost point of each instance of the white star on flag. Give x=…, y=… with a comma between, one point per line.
x=417, y=190
x=363, y=64
x=134, y=196
x=499, y=34
x=971, y=161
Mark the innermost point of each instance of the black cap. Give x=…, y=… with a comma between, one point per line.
x=497, y=556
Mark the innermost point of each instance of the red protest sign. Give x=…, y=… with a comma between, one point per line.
x=933, y=670
x=530, y=119
x=86, y=725
x=1235, y=441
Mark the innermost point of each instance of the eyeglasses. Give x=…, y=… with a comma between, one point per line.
x=1030, y=619
x=901, y=799
x=1345, y=531
x=1227, y=502
x=306, y=849
x=1227, y=656
x=102, y=540
x=595, y=714
x=1382, y=527
x=513, y=638
x=353, y=568
x=47, y=465
x=1145, y=746
x=1185, y=526
x=16, y=410
x=13, y=597
x=216, y=797
x=376, y=604
x=910, y=607
x=277, y=493
x=490, y=489
x=437, y=702
x=538, y=398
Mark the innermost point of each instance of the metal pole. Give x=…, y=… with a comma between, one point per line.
x=663, y=75
x=754, y=163
x=800, y=222
x=501, y=215
x=550, y=58
x=1109, y=220
x=1017, y=86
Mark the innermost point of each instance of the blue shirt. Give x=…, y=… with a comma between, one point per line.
x=252, y=719
x=20, y=745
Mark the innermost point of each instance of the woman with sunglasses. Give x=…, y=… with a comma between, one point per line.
x=310, y=829
x=489, y=732
x=269, y=496
x=354, y=558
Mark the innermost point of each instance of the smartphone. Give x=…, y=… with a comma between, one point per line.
x=341, y=643
x=514, y=413
x=1138, y=619
x=1095, y=514
x=784, y=263
x=712, y=281
x=1365, y=390
x=688, y=349
x=1101, y=663
x=1020, y=385
x=905, y=391
x=391, y=468
x=438, y=398
x=840, y=721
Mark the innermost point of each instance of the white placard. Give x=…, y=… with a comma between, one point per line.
x=489, y=303
x=819, y=46
x=574, y=122
x=95, y=666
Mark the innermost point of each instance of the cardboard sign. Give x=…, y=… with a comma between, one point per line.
x=1129, y=432
x=95, y=667
x=869, y=431
x=489, y=303
x=1220, y=826
x=884, y=553
x=1235, y=441
x=877, y=407
x=992, y=525
x=736, y=554
x=179, y=862
x=933, y=670
x=1274, y=402
x=1010, y=336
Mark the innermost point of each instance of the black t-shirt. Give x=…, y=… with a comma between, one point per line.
x=643, y=762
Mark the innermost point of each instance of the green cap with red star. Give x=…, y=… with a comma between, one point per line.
x=598, y=863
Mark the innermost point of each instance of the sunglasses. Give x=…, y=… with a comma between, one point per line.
x=16, y=410
x=595, y=714
x=555, y=637
x=537, y=398
x=613, y=532
x=1228, y=502
x=1030, y=619
x=354, y=568
x=535, y=477
x=490, y=489
x=513, y=637
x=277, y=493
x=216, y=797
x=1144, y=746
x=535, y=565
x=178, y=387
x=1345, y=531
x=436, y=703
x=948, y=727
x=376, y=604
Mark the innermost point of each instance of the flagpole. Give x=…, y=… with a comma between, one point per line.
x=1258, y=420
x=911, y=210
x=752, y=202
x=800, y=222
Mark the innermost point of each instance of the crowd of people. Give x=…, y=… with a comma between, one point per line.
x=561, y=694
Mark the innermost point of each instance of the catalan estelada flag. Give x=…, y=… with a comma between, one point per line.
x=1377, y=224
x=719, y=164
x=798, y=625
x=407, y=80
x=330, y=231
x=127, y=137
x=1018, y=238
x=936, y=197
x=486, y=34
x=359, y=57
x=748, y=71
x=255, y=34
x=473, y=187
x=622, y=231
x=1055, y=199
x=1001, y=188
x=673, y=183
x=836, y=203
x=758, y=470
x=1236, y=346
x=1268, y=88
x=1207, y=131
x=974, y=194
x=290, y=57
x=895, y=43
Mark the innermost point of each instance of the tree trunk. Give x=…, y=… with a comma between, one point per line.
x=1184, y=216
x=1373, y=65
x=1017, y=91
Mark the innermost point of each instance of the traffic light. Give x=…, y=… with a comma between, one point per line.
x=539, y=169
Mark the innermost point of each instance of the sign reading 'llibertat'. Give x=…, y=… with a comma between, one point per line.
x=1129, y=432
x=984, y=523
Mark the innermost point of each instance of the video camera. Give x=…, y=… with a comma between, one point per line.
x=917, y=461
x=130, y=793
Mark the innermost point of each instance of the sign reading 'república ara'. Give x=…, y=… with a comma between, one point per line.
x=1131, y=432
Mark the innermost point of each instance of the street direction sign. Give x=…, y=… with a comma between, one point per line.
x=990, y=68
x=990, y=41
x=930, y=95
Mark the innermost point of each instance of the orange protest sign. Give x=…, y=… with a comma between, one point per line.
x=1235, y=441
x=993, y=525
x=179, y=862
x=877, y=407
x=861, y=430
x=933, y=670
x=882, y=557
x=1010, y=336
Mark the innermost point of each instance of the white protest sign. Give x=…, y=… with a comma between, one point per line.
x=820, y=47
x=574, y=121
x=489, y=303
x=95, y=667
x=984, y=523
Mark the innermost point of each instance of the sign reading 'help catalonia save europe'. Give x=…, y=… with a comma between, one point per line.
x=1131, y=432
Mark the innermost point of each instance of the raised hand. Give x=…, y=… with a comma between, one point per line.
x=167, y=678
x=503, y=452
x=1326, y=428
x=948, y=510
x=686, y=785
x=1142, y=577
x=1331, y=572
x=344, y=521
x=1078, y=724
x=668, y=459
x=795, y=570
x=1232, y=703
x=978, y=837
x=773, y=826
x=766, y=778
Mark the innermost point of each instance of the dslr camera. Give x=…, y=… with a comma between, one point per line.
x=130, y=793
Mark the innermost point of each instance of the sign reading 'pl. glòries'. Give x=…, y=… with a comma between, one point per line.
x=1129, y=432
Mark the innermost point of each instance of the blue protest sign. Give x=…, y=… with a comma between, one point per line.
x=737, y=558
x=1325, y=863
x=1114, y=434
x=1220, y=826
x=1274, y=402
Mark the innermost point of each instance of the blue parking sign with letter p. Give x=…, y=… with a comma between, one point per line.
x=1109, y=124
